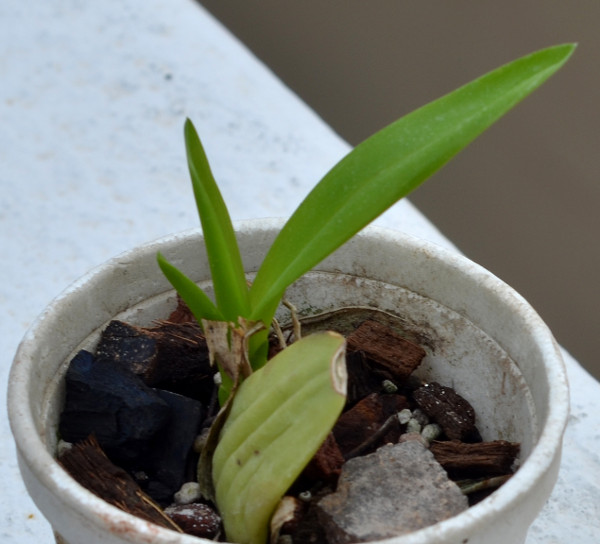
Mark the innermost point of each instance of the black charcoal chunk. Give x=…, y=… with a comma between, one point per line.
x=107, y=400
x=170, y=356
x=131, y=346
x=165, y=461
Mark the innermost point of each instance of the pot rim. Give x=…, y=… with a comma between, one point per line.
x=38, y=460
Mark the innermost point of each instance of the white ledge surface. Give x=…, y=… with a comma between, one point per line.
x=92, y=103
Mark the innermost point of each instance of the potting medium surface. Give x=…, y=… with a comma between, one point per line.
x=92, y=103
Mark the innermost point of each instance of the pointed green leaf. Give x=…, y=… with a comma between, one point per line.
x=196, y=299
x=231, y=289
x=279, y=417
x=389, y=165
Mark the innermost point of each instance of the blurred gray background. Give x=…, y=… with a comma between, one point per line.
x=523, y=199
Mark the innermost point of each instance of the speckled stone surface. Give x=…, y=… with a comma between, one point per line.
x=92, y=103
x=395, y=490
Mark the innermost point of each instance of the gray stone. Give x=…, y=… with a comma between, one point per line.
x=398, y=489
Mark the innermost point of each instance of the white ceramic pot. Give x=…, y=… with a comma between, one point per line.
x=482, y=339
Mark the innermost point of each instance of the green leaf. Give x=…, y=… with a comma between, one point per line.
x=279, y=417
x=227, y=270
x=389, y=165
x=196, y=299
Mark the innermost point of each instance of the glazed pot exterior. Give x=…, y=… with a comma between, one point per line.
x=481, y=338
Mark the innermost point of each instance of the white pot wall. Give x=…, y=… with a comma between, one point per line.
x=477, y=330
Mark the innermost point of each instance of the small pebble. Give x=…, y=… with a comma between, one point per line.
x=389, y=386
x=431, y=432
x=420, y=416
x=196, y=519
x=140, y=477
x=413, y=426
x=404, y=416
x=305, y=496
x=189, y=492
x=62, y=447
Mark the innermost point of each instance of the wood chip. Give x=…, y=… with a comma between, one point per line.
x=462, y=460
x=326, y=464
x=364, y=419
x=182, y=314
x=386, y=348
x=89, y=465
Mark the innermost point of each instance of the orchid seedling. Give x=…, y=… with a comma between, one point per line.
x=276, y=413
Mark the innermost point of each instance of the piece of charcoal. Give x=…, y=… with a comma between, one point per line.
x=462, y=460
x=451, y=411
x=165, y=460
x=390, y=351
x=169, y=356
x=112, y=403
x=132, y=347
